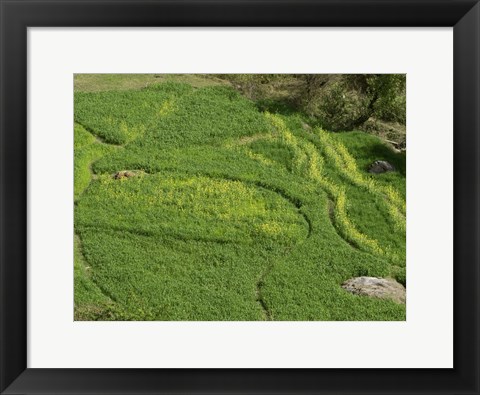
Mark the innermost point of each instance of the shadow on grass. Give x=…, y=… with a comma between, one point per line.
x=276, y=106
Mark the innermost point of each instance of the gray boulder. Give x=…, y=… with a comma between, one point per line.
x=377, y=287
x=381, y=166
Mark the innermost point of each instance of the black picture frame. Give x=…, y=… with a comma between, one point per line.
x=17, y=15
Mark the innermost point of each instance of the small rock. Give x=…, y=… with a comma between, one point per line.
x=123, y=174
x=380, y=166
x=377, y=287
x=306, y=126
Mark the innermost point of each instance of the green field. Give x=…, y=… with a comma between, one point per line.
x=231, y=212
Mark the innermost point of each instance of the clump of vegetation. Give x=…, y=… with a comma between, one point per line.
x=371, y=102
x=233, y=211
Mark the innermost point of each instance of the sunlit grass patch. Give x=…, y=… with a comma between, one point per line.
x=87, y=150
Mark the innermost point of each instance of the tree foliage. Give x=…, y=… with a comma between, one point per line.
x=339, y=102
x=354, y=99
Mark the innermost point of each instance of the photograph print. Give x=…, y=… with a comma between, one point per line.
x=239, y=197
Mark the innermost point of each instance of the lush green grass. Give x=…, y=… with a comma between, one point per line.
x=86, y=150
x=232, y=214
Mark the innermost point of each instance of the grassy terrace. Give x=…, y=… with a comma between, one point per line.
x=232, y=213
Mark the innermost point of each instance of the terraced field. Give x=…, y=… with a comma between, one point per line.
x=192, y=204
